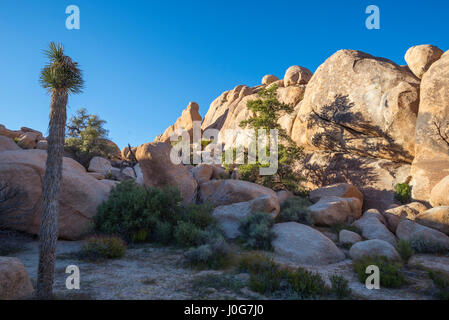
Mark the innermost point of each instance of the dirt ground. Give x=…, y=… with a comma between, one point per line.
x=152, y=272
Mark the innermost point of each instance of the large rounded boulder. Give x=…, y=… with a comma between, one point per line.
x=158, y=170
x=7, y=144
x=420, y=58
x=431, y=163
x=14, y=280
x=439, y=196
x=360, y=104
x=81, y=194
x=225, y=192
x=304, y=245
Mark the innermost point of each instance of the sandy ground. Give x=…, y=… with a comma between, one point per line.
x=152, y=272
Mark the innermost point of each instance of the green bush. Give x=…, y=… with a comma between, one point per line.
x=295, y=209
x=139, y=214
x=188, y=235
x=441, y=281
x=216, y=254
x=140, y=236
x=200, y=215
x=220, y=282
x=340, y=287
x=163, y=233
x=131, y=208
x=256, y=231
x=405, y=250
x=103, y=247
x=402, y=193
x=268, y=278
x=390, y=272
x=254, y=262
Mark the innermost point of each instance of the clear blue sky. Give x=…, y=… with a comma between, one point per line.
x=144, y=61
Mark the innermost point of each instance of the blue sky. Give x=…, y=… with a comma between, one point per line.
x=144, y=61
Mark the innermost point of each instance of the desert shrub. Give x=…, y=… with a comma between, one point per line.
x=162, y=232
x=428, y=246
x=200, y=215
x=340, y=287
x=256, y=231
x=215, y=254
x=441, y=281
x=219, y=282
x=268, y=278
x=402, y=193
x=405, y=250
x=390, y=272
x=253, y=261
x=295, y=209
x=131, y=208
x=87, y=138
x=103, y=247
x=151, y=214
x=140, y=236
x=188, y=235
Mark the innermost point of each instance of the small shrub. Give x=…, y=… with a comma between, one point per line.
x=268, y=278
x=295, y=209
x=427, y=246
x=162, y=232
x=214, y=255
x=256, y=231
x=103, y=247
x=219, y=282
x=131, y=208
x=140, y=236
x=109, y=176
x=254, y=262
x=442, y=283
x=200, y=215
x=340, y=286
x=402, y=193
x=405, y=250
x=188, y=235
x=390, y=273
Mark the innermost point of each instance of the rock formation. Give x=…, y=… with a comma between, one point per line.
x=81, y=194
x=185, y=122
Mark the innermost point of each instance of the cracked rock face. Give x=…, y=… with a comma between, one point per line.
x=431, y=163
x=359, y=104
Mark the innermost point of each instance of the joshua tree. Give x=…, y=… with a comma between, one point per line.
x=60, y=76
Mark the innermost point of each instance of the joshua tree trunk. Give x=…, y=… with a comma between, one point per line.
x=48, y=234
